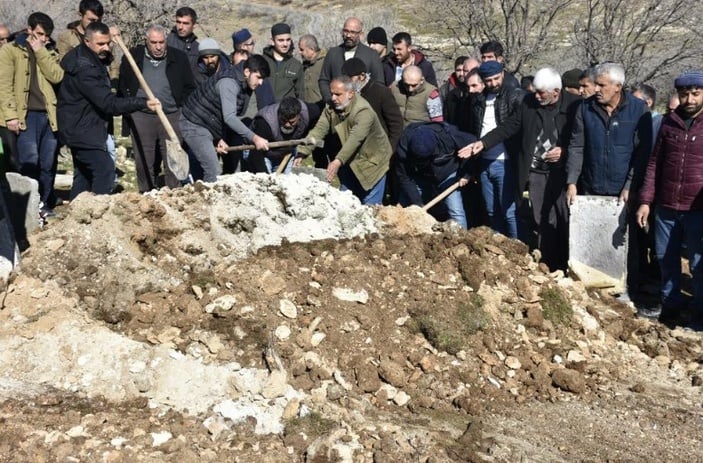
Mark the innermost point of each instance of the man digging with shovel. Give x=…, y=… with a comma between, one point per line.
x=217, y=102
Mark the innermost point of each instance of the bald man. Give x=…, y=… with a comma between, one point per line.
x=351, y=47
x=419, y=101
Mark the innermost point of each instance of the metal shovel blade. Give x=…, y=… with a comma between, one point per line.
x=177, y=160
x=320, y=174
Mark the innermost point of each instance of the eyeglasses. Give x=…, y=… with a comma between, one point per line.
x=348, y=32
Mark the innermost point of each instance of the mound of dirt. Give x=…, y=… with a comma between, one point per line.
x=266, y=318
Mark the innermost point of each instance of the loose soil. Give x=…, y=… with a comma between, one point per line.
x=142, y=329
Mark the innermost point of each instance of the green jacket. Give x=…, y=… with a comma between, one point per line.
x=14, y=82
x=287, y=76
x=312, y=75
x=423, y=105
x=365, y=146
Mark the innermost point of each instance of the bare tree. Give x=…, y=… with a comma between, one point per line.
x=651, y=38
x=526, y=28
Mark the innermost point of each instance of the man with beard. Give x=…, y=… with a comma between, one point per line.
x=489, y=110
x=455, y=103
x=167, y=72
x=86, y=104
x=542, y=122
x=212, y=59
x=404, y=55
x=365, y=153
x=288, y=120
x=313, y=58
x=674, y=182
x=217, y=104
x=351, y=47
x=287, y=76
x=183, y=38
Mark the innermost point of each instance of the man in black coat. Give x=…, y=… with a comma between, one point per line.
x=167, y=72
x=543, y=123
x=85, y=107
x=350, y=47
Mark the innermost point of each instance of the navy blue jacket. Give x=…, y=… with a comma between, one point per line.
x=436, y=168
x=607, y=152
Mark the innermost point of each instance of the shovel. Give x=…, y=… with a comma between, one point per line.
x=281, y=144
x=176, y=157
x=441, y=196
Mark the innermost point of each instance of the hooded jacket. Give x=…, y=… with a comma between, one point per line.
x=287, y=75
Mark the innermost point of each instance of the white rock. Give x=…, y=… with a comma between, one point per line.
x=401, y=399
x=557, y=359
x=282, y=332
x=197, y=291
x=118, y=441
x=337, y=375
x=137, y=366
x=391, y=391
x=575, y=356
x=215, y=425
x=317, y=338
x=76, y=431
x=276, y=385
x=159, y=438
x=287, y=308
x=349, y=295
x=402, y=320
x=221, y=304
x=512, y=362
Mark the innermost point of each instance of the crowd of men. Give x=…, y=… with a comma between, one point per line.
x=392, y=133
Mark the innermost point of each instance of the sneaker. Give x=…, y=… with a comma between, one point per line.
x=651, y=313
x=46, y=213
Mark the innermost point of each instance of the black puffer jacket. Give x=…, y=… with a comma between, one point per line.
x=86, y=103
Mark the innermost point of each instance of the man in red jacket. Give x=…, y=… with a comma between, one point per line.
x=674, y=183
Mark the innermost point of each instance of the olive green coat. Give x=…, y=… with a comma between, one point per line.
x=14, y=82
x=365, y=146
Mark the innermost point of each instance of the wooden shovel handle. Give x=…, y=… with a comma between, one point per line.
x=142, y=82
x=441, y=196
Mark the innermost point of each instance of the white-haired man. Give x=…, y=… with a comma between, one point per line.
x=543, y=124
x=612, y=134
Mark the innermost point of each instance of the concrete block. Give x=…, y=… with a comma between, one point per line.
x=24, y=204
x=598, y=241
x=9, y=254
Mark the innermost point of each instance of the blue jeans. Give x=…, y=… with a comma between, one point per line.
x=498, y=188
x=671, y=230
x=454, y=202
x=371, y=197
x=36, y=153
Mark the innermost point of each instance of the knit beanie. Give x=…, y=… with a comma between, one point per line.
x=280, y=29
x=422, y=143
x=689, y=79
x=377, y=35
x=353, y=67
x=208, y=47
x=489, y=68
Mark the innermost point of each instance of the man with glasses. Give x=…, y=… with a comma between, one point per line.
x=351, y=47
x=419, y=101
